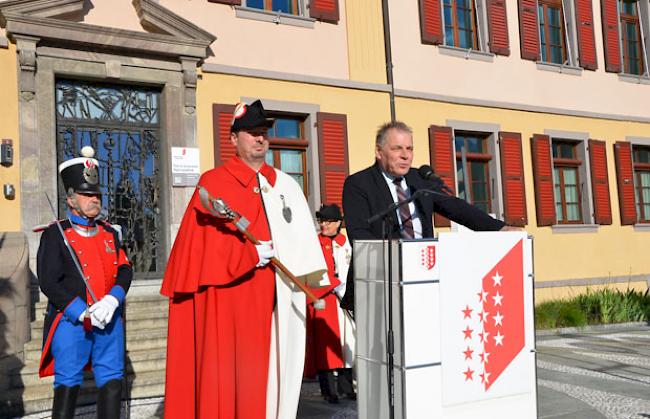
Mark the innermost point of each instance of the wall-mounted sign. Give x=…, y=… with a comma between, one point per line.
x=185, y=166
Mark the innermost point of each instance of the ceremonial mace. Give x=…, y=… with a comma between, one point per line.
x=219, y=208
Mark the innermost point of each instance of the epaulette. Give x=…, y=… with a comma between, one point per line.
x=42, y=227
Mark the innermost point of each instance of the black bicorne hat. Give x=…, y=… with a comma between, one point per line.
x=330, y=212
x=81, y=174
x=249, y=117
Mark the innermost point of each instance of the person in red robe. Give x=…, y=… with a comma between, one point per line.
x=328, y=350
x=222, y=289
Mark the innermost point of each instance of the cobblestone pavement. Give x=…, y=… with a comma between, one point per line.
x=582, y=375
x=597, y=374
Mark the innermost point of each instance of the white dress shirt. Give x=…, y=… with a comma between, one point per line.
x=415, y=217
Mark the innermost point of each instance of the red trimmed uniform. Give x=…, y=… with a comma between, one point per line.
x=105, y=265
x=323, y=348
x=220, y=304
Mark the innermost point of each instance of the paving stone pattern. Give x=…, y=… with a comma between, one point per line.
x=582, y=375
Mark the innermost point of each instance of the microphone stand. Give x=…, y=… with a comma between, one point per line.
x=390, y=342
x=386, y=217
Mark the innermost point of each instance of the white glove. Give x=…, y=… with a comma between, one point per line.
x=264, y=253
x=96, y=323
x=93, y=320
x=103, y=310
x=340, y=290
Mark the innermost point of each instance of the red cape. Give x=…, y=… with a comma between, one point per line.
x=220, y=305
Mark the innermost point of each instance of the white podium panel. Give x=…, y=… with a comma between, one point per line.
x=462, y=323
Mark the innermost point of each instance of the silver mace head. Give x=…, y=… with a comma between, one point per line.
x=216, y=206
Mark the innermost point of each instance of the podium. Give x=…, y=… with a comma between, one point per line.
x=464, y=342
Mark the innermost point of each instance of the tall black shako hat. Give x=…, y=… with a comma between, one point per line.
x=250, y=116
x=81, y=174
x=330, y=212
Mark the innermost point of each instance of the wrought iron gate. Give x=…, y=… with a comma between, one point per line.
x=122, y=124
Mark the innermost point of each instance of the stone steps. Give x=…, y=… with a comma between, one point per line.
x=147, y=360
x=135, y=340
x=38, y=398
x=146, y=342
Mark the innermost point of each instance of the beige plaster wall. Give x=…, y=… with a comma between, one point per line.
x=118, y=14
x=319, y=51
x=423, y=68
x=9, y=125
x=365, y=110
x=366, y=41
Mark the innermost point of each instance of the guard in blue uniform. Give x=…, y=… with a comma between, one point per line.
x=80, y=332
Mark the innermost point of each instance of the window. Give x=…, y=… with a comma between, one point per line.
x=631, y=42
x=288, y=148
x=472, y=168
x=460, y=24
x=566, y=176
x=292, y=7
x=641, y=160
x=552, y=34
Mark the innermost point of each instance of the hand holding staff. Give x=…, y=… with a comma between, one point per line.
x=218, y=208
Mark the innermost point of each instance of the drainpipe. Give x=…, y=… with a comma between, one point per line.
x=389, y=57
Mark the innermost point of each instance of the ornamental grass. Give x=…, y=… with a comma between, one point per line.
x=604, y=306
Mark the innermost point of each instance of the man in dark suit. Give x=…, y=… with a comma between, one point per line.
x=392, y=179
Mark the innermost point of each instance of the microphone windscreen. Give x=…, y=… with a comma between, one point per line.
x=426, y=172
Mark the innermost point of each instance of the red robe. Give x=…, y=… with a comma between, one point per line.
x=220, y=305
x=323, y=346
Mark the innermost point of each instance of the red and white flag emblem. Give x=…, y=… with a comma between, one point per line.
x=428, y=257
x=500, y=314
x=484, y=317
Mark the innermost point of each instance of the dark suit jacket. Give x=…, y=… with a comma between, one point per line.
x=366, y=193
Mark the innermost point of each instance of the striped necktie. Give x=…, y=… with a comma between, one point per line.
x=404, y=211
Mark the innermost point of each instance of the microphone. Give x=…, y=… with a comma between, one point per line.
x=426, y=172
x=392, y=207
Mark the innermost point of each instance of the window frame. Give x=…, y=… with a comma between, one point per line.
x=277, y=144
x=623, y=39
x=298, y=5
x=495, y=179
x=639, y=168
x=586, y=194
x=563, y=163
x=545, y=45
x=485, y=157
x=476, y=38
x=481, y=30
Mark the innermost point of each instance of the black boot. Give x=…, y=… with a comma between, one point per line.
x=65, y=401
x=345, y=384
x=109, y=400
x=328, y=385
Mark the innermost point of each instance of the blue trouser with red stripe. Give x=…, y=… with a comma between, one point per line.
x=73, y=348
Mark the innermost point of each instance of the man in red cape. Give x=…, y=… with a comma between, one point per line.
x=234, y=323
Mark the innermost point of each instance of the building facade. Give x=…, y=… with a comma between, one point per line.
x=536, y=111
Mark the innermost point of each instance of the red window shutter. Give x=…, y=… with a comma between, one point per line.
x=600, y=182
x=333, y=156
x=233, y=2
x=625, y=181
x=529, y=30
x=431, y=22
x=221, y=122
x=512, y=178
x=609, y=13
x=441, y=150
x=543, y=177
x=586, y=40
x=325, y=10
x=498, y=23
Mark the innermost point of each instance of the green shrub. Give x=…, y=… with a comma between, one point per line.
x=595, y=307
